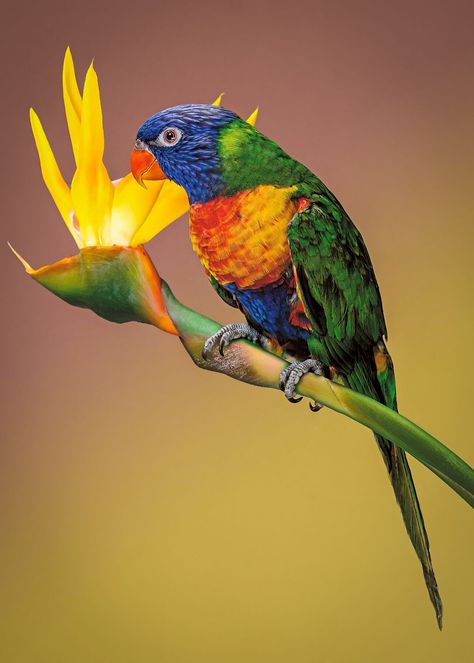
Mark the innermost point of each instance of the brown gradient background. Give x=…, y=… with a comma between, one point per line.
x=153, y=512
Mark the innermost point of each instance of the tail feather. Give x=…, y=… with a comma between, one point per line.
x=377, y=380
x=405, y=493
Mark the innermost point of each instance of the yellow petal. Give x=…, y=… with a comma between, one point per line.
x=131, y=206
x=253, y=118
x=218, y=101
x=52, y=177
x=171, y=204
x=92, y=190
x=28, y=268
x=72, y=102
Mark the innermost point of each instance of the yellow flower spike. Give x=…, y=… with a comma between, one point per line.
x=72, y=102
x=171, y=203
x=52, y=177
x=92, y=190
x=131, y=206
x=218, y=101
x=253, y=118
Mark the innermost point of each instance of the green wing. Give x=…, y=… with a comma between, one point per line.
x=336, y=282
x=337, y=285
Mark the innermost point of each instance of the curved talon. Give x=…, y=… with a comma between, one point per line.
x=315, y=407
x=295, y=399
x=292, y=374
x=207, y=348
x=222, y=345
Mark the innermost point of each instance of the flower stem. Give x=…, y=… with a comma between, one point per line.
x=249, y=363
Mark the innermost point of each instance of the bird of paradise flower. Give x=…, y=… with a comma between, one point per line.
x=96, y=210
x=104, y=217
x=113, y=275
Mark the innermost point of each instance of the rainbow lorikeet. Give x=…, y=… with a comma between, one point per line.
x=277, y=244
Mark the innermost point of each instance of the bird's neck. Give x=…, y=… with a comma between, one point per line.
x=201, y=178
x=249, y=159
x=241, y=159
x=209, y=186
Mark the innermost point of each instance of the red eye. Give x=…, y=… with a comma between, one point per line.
x=169, y=136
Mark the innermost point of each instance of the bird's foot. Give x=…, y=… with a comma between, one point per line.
x=232, y=332
x=292, y=374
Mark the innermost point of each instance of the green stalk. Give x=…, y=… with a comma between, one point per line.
x=250, y=363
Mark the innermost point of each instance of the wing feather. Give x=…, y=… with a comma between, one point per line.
x=336, y=281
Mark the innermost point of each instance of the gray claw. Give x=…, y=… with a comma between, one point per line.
x=292, y=374
x=232, y=332
x=295, y=399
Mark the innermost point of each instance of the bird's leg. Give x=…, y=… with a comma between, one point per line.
x=233, y=332
x=292, y=374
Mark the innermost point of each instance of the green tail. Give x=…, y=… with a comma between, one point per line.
x=381, y=386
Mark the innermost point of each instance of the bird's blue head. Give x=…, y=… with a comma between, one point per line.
x=180, y=144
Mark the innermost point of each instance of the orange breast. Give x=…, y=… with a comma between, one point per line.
x=242, y=239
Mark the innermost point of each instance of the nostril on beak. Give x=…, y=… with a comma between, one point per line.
x=140, y=145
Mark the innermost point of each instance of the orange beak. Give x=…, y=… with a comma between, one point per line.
x=144, y=166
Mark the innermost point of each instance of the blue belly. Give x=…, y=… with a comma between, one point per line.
x=269, y=308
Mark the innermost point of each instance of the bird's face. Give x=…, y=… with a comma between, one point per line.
x=180, y=144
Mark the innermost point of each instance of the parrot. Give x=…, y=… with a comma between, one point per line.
x=278, y=245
